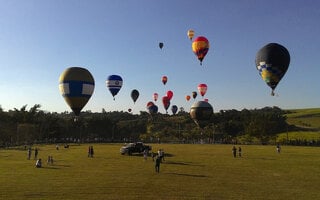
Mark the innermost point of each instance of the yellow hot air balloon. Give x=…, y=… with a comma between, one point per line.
x=76, y=85
x=190, y=34
x=200, y=47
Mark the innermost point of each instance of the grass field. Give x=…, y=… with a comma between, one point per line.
x=188, y=172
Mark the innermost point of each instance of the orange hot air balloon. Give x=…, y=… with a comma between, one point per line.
x=164, y=79
x=190, y=34
x=188, y=97
x=200, y=47
x=155, y=96
x=202, y=88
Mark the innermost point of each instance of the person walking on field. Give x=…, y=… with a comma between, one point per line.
x=234, y=151
x=157, y=165
x=36, y=153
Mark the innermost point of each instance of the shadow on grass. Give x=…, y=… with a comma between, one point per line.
x=190, y=175
x=181, y=163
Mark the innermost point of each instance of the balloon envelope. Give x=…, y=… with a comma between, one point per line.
x=155, y=96
x=272, y=62
x=200, y=47
x=194, y=94
x=188, y=97
x=202, y=88
x=153, y=109
x=134, y=95
x=201, y=113
x=169, y=94
x=76, y=85
x=190, y=34
x=164, y=79
x=174, y=109
x=150, y=103
x=160, y=45
x=166, y=102
x=114, y=84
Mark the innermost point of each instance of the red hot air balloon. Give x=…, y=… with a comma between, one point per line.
x=166, y=103
x=169, y=94
x=188, y=97
x=150, y=103
x=202, y=88
x=164, y=79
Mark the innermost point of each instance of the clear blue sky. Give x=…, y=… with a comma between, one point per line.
x=41, y=38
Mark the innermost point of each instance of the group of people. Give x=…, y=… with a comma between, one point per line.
x=234, y=151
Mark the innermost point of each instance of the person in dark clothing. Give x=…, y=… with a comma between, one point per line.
x=239, y=151
x=234, y=151
x=157, y=165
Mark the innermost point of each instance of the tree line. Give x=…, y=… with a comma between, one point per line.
x=27, y=126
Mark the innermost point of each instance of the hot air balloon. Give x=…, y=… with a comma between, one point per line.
x=174, y=109
x=164, y=79
x=188, y=97
x=76, y=85
x=160, y=45
x=202, y=88
x=201, y=113
x=200, y=46
x=194, y=94
x=134, y=95
x=129, y=110
x=272, y=62
x=150, y=103
x=166, y=103
x=169, y=94
x=190, y=34
x=114, y=84
x=153, y=109
x=206, y=100
x=155, y=96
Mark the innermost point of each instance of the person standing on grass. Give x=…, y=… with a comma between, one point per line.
x=36, y=153
x=157, y=165
x=278, y=148
x=239, y=150
x=29, y=153
x=234, y=151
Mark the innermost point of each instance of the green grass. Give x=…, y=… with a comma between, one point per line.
x=189, y=172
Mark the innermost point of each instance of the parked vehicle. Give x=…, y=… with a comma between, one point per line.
x=137, y=147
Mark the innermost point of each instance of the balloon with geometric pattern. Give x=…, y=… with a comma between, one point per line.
x=200, y=47
x=272, y=62
x=76, y=85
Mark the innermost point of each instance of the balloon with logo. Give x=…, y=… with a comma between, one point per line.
x=166, y=103
x=155, y=96
x=200, y=47
x=114, y=84
x=272, y=62
x=174, y=109
x=164, y=79
x=190, y=34
x=169, y=94
x=134, y=95
x=202, y=88
x=201, y=112
x=76, y=85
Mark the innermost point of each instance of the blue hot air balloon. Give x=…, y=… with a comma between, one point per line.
x=76, y=85
x=174, y=109
x=114, y=84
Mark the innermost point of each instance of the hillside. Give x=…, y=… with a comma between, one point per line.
x=306, y=123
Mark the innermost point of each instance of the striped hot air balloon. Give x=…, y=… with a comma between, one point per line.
x=76, y=85
x=114, y=84
x=200, y=47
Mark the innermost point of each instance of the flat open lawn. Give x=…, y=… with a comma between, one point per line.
x=188, y=172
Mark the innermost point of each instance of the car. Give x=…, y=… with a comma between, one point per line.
x=136, y=147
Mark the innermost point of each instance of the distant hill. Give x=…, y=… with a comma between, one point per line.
x=304, y=125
